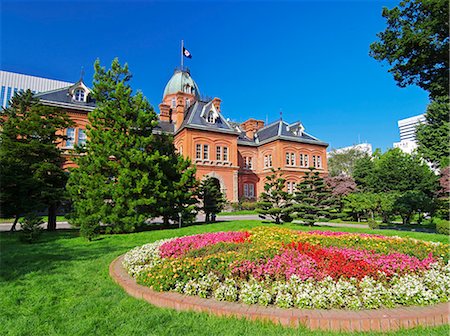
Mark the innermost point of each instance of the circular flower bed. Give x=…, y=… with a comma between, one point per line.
x=291, y=268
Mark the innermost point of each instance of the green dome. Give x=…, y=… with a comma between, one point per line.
x=181, y=81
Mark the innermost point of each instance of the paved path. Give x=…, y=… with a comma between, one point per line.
x=200, y=218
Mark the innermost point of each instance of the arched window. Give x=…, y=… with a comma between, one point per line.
x=79, y=95
x=211, y=118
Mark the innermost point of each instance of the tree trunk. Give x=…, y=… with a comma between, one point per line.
x=51, y=224
x=166, y=220
x=13, y=227
x=206, y=217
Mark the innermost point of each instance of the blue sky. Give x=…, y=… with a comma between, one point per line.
x=307, y=59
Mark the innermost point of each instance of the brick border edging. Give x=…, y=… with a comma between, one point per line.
x=336, y=320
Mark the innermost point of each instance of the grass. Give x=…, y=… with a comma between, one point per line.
x=61, y=286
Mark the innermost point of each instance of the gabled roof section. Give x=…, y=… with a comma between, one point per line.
x=280, y=130
x=197, y=117
x=64, y=98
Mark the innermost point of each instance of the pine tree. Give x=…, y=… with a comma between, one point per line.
x=31, y=171
x=212, y=199
x=178, y=184
x=275, y=202
x=123, y=179
x=313, y=199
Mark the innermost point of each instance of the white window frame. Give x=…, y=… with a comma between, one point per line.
x=314, y=161
x=225, y=154
x=319, y=161
x=306, y=161
x=210, y=117
x=198, y=151
x=218, y=153
x=79, y=95
x=81, y=137
x=70, y=141
x=205, y=152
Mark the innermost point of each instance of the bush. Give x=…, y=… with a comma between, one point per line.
x=286, y=218
x=373, y=224
x=442, y=226
x=248, y=206
x=31, y=228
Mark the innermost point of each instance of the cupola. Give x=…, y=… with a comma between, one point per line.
x=181, y=81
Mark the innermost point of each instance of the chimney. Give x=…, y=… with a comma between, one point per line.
x=164, y=112
x=216, y=102
x=251, y=126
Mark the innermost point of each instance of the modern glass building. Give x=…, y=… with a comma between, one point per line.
x=11, y=82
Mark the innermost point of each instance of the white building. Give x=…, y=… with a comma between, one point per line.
x=407, y=129
x=364, y=148
x=11, y=82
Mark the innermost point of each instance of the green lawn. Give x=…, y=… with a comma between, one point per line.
x=61, y=286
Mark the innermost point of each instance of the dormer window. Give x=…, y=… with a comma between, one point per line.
x=211, y=118
x=79, y=95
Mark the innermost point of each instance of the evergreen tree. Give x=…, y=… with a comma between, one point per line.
x=313, y=199
x=212, y=199
x=178, y=184
x=123, y=179
x=433, y=137
x=275, y=202
x=31, y=171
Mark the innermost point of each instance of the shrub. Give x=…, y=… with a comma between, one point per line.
x=373, y=224
x=248, y=206
x=442, y=226
x=31, y=228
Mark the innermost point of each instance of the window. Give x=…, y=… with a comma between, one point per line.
x=248, y=164
x=268, y=160
x=70, y=137
x=2, y=96
x=249, y=190
x=225, y=153
x=291, y=187
x=81, y=137
x=8, y=95
x=301, y=160
x=314, y=161
x=319, y=162
x=188, y=102
x=306, y=158
x=79, y=95
x=180, y=150
x=219, y=153
x=174, y=102
x=290, y=159
x=198, y=151
x=205, y=152
x=211, y=118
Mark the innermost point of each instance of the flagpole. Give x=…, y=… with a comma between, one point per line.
x=182, y=47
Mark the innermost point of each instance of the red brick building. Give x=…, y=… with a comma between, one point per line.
x=240, y=156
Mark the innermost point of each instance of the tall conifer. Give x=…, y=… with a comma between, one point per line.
x=123, y=179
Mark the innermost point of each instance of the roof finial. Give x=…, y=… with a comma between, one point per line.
x=281, y=114
x=82, y=73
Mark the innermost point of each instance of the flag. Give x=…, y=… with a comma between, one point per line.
x=186, y=53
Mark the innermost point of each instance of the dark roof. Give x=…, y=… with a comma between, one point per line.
x=61, y=97
x=280, y=130
x=165, y=126
x=196, y=117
